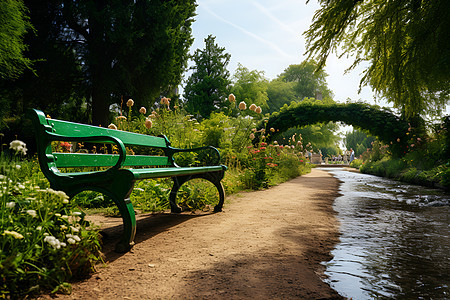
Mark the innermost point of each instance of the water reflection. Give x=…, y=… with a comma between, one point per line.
x=395, y=240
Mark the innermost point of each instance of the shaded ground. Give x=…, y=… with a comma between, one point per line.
x=264, y=245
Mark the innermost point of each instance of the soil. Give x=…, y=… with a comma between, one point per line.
x=264, y=245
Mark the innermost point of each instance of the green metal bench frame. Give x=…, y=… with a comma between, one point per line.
x=116, y=181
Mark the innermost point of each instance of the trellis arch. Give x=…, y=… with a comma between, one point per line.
x=379, y=122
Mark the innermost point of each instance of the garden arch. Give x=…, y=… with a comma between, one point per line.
x=379, y=122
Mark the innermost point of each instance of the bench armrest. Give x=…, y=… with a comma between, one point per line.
x=94, y=139
x=213, y=155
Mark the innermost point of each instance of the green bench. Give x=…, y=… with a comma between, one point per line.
x=120, y=171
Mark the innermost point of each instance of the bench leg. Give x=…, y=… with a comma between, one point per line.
x=214, y=178
x=120, y=193
x=129, y=224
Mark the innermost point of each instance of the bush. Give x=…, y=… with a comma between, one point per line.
x=45, y=240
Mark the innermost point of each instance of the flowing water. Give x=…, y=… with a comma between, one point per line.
x=394, y=240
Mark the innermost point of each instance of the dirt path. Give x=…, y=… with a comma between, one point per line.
x=265, y=245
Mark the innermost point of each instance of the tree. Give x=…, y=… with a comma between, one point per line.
x=406, y=43
x=130, y=48
x=279, y=94
x=111, y=49
x=56, y=80
x=208, y=86
x=358, y=141
x=250, y=87
x=14, y=23
x=296, y=83
x=308, y=82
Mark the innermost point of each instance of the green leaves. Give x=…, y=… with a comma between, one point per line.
x=404, y=41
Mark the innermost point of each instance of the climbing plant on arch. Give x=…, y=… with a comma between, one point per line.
x=379, y=122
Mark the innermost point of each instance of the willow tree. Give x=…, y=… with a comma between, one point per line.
x=14, y=23
x=405, y=42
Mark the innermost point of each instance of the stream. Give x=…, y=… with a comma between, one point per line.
x=394, y=241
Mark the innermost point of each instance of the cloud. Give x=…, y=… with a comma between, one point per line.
x=270, y=44
x=272, y=17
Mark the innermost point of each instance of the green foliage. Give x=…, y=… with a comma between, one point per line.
x=250, y=87
x=378, y=122
x=356, y=163
x=45, y=241
x=308, y=81
x=99, y=53
x=424, y=162
x=280, y=93
x=405, y=42
x=359, y=141
x=14, y=23
x=207, y=88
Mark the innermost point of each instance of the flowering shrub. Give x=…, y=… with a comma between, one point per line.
x=44, y=241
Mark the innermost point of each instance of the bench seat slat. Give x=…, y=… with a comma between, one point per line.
x=71, y=160
x=128, y=138
x=174, y=171
x=148, y=173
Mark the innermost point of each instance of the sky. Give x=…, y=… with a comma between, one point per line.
x=267, y=35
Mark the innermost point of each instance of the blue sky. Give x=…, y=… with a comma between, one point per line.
x=267, y=35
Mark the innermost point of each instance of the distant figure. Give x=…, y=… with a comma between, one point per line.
x=352, y=155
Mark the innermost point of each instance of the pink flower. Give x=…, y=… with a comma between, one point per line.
x=130, y=102
x=242, y=105
x=143, y=110
x=112, y=126
x=232, y=98
x=252, y=107
x=258, y=110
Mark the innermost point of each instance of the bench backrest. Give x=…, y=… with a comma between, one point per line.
x=48, y=130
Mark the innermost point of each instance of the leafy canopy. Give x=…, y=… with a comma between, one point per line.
x=405, y=42
x=296, y=83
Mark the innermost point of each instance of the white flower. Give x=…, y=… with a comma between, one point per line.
x=39, y=228
x=71, y=241
x=14, y=234
x=57, y=215
x=65, y=217
x=18, y=146
x=32, y=213
x=54, y=242
x=76, y=213
x=76, y=238
x=18, y=167
x=10, y=204
x=65, y=201
x=74, y=229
